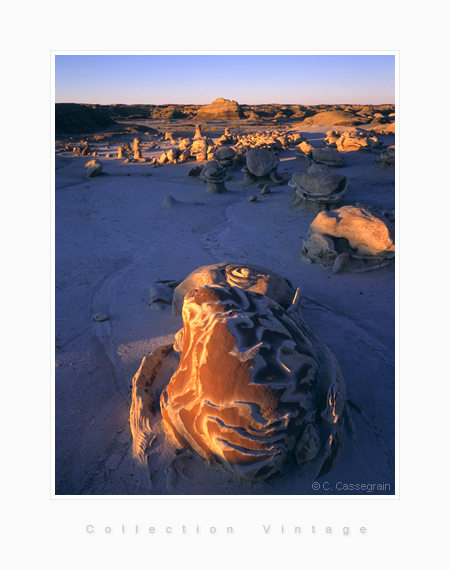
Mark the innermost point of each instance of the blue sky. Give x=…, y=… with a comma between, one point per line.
x=247, y=79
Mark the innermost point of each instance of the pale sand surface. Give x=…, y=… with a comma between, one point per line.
x=114, y=238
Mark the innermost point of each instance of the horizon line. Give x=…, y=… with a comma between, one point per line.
x=206, y=104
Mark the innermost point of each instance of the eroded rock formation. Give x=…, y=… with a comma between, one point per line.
x=351, y=237
x=214, y=175
x=247, y=277
x=254, y=386
x=220, y=110
x=334, y=117
x=94, y=167
x=387, y=157
x=261, y=165
x=327, y=156
x=318, y=190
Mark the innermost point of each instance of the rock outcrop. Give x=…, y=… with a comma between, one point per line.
x=334, y=118
x=220, y=110
x=72, y=119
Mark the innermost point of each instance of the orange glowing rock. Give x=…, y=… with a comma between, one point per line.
x=94, y=167
x=254, y=386
x=248, y=277
x=366, y=236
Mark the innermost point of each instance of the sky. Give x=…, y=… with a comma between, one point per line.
x=248, y=79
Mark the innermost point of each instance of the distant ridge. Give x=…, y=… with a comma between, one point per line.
x=79, y=118
x=73, y=119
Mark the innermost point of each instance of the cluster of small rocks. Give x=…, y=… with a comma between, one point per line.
x=83, y=148
x=275, y=141
x=351, y=141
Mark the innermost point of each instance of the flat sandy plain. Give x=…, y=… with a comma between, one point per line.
x=114, y=238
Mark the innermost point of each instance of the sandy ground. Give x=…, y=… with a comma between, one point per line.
x=114, y=238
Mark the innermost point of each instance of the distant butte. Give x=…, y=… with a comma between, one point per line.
x=221, y=110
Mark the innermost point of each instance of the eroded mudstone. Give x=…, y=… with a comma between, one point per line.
x=318, y=190
x=327, y=156
x=94, y=167
x=261, y=165
x=388, y=156
x=356, y=141
x=225, y=156
x=144, y=402
x=169, y=202
x=247, y=277
x=254, y=386
x=220, y=109
x=331, y=138
x=366, y=236
x=214, y=175
x=303, y=149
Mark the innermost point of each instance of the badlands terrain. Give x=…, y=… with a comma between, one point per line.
x=128, y=230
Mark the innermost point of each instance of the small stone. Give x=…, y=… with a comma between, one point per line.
x=169, y=202
x=101, y=317
x=252, y=198
x=340, y=262
x=94, y=167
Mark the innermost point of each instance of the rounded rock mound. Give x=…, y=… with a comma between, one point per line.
x=334, y=118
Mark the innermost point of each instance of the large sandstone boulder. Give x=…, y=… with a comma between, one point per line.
x=351, y=237
x=220, y=110
x=366, y=231
x=254, y=386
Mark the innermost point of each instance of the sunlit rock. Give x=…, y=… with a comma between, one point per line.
x=327, y=156
x=365, y=236
x=94, y=167
x=254, y=388
x=303, y=149
x=220, y=109
x=247, y=277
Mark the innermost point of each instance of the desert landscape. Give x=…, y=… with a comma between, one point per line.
x=288, y=211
